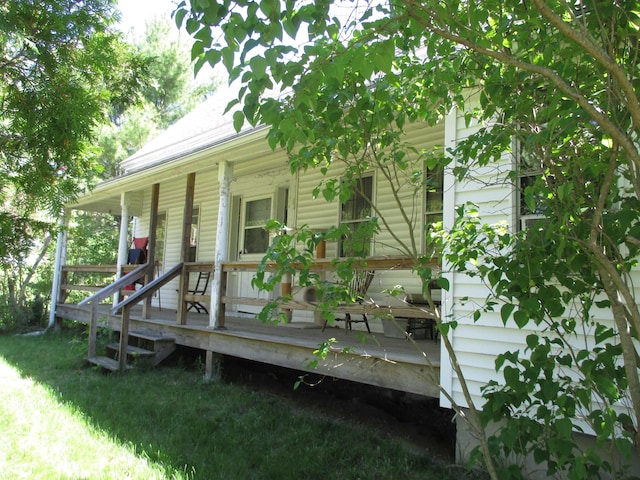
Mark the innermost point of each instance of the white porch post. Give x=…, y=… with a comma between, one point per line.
x=225, y=174
x=122, y=241
x=60, y=260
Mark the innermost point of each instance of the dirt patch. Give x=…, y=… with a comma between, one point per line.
x=415, y=420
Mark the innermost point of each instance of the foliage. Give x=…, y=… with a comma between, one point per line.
x=168, y=93
x=62, y=69
x=559, y=78
x=98, y=99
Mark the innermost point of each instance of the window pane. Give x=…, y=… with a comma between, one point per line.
x=434, y=182
x=258, y=212
x=356, y=212
x=358, y=242
x=357, y=207
x=434, y=187
x=256, y=240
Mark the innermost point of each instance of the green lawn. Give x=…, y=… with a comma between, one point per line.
x=61, y=419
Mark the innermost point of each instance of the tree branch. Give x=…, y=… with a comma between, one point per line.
x=600, y=117
x=584, y=39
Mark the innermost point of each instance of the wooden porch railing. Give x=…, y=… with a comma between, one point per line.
x=125, y=305
x=326, y=266
x=321, y=265
x=105, y=292
x=133, y=299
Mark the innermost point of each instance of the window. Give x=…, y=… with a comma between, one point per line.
x=434, y=185
x=530, y=210
x=356, y=213
x=161, y=231
x=193, y=236
x=257, y=213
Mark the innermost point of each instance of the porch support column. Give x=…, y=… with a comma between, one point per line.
x=218, y=286
x=186, y=235
x=151, y=245
x=123, y=241
x=213, y=367
x=60, y=260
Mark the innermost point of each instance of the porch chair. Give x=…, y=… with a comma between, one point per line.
x=421, y=327
x=138, y=251
x=200, y=289
x=358, y=288
x=137, y=256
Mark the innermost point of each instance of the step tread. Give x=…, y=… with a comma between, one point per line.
x=151, y=337
x=105, y=362
x=132, y=350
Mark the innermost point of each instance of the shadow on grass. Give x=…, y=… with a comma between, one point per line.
x=210, y=431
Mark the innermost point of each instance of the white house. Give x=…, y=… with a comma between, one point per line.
x=202, y=193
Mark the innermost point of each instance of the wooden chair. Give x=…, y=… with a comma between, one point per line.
x=421, y=327
x=358, y=289
x=137, y=256
x=200, y=289
x=138, y=251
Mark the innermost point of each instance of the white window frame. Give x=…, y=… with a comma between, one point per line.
x=243, y=220
x=428, y=211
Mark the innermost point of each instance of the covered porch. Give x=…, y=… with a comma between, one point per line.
x=388, y=359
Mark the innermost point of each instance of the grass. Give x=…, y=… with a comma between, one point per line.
x=64, y=420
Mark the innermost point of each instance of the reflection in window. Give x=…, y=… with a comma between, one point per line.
x=529, y=212
x=434, y=181
x=193, y=236
x=257, y=213
x=161, y=230
x=356, y=214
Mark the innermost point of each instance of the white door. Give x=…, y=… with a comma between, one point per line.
x=253, y=241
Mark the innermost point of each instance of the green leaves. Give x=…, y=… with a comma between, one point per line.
x=383, y=55
x=505, y=312
x=560, y=102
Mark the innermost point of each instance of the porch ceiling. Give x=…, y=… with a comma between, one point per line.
x=108, y=201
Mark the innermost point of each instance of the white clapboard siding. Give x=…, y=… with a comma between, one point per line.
x=422, y=138
x=252, y=181
x=476, y=343
x=207, y=198
x=317, y=213
x=171, y=202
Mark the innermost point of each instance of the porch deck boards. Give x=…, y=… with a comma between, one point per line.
x=372, y=358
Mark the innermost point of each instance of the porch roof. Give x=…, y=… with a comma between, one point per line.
x=205, y=126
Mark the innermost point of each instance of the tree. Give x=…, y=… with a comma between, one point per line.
x=560, y=78
x=62, y=68
x=168, y=93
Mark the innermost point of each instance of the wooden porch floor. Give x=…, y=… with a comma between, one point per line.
x=373, y=359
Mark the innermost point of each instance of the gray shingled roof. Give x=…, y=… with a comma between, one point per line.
x=205, y=126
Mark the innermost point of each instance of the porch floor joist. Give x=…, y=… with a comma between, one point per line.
x=381, y=361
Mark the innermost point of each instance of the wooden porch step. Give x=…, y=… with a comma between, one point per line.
x=104, y=362
x=131, y=350
x=146, y=345
x=152, y=337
